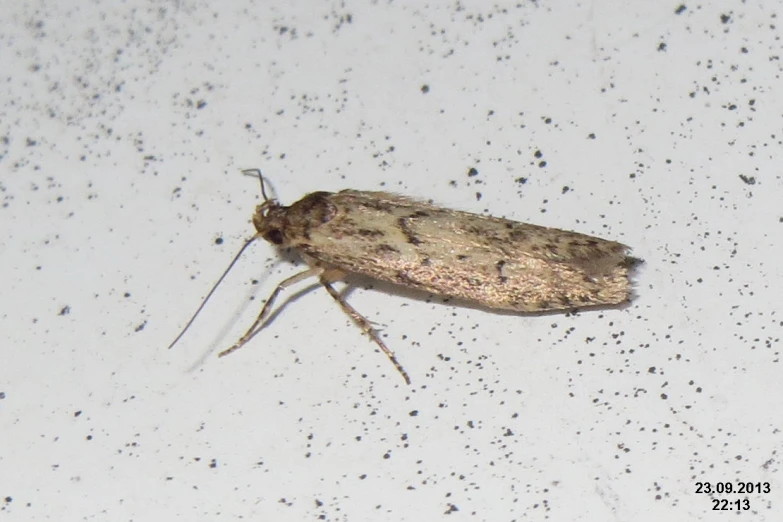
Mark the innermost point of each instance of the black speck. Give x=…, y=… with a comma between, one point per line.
x=680, y=9
x=425, y=89
x=218, y=240
x=724, y=18
x=473, y=172
x=65, y=310
x=662, y=47
x=413, y=413
x=77, y=413
x=748, y=180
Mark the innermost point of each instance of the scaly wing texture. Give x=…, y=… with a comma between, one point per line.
x=494, y=262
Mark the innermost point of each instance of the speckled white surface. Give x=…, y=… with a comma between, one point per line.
x=123, y=127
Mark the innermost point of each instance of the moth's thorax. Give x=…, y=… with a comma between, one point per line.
x=285, y=226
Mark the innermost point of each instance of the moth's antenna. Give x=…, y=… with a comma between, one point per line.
x=257, y=173
x=204, y=302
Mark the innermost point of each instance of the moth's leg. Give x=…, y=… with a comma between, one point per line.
x=360, y=320
x=255, y=328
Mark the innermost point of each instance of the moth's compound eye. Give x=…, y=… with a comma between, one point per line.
x=275, y=236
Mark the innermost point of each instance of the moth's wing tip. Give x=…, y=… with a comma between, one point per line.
x=631, y=262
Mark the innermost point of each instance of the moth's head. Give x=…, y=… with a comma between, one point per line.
x=270, y=222
x=269, y=218
x=292, y=226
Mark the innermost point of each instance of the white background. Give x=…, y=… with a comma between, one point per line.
x=123, y=128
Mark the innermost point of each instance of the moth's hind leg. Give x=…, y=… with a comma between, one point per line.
x=333, y=275
x=259, y=324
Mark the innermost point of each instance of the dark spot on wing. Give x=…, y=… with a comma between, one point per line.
x=316, y=206
x=380, y=206
x=383, y=248
x=406, y=280
x=517, y=234
x=370, y=233
x=406, y=230
x=499, y=265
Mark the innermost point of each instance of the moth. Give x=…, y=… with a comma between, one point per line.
x=493, y=262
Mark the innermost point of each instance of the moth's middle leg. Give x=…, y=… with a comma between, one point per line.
x=327, y=277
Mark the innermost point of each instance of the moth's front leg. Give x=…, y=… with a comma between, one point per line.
x=258, y=325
